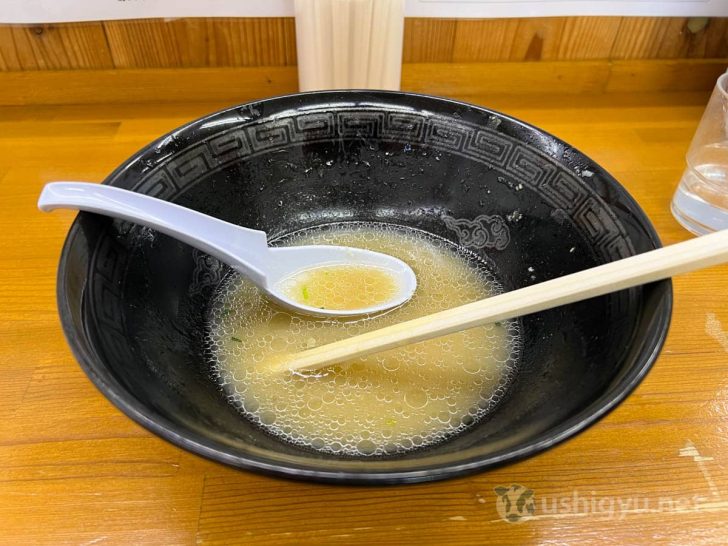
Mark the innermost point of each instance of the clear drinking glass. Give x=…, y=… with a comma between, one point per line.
x=701, y=201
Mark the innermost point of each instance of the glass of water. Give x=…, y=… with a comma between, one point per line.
x=701, y=200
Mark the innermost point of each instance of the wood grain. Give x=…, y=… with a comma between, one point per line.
x=484, y=40
x=537, y=39
x=168, y=85
x=511, y=78
x=555, y=38
x=8, y=51
x=236, y=85
x=54, y=47
x=147, y=43
x=428, y=40
x=670, y=75
x=74, y=470
x=655, y=37
x=588, y=37
x=252, y=42
x=158, y=43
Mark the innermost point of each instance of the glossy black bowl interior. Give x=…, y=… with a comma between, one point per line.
x=133, y=301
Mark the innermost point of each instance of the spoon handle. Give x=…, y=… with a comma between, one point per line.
x=654, y=265
x=244, y=249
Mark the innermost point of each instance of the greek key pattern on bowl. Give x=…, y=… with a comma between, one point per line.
x=523, y=163
x=105, y=290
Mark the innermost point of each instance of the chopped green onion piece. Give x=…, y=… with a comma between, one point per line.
x=304, y=290
x=236, y=339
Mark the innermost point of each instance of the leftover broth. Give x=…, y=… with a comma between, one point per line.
x=385, y=403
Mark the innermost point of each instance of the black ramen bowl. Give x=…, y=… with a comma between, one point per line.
x=133, y=302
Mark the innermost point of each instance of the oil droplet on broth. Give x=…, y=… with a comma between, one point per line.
x=391, y=402
x=341, y=287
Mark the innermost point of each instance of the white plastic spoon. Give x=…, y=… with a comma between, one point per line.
x=245, y=250
x=654, y=265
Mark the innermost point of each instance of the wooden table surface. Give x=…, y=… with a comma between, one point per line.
x=74, y=470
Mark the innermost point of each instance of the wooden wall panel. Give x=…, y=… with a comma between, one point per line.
x=716, y=39
x=147, y=43
x=537, y=39
x=429, y=40
x=587, y=38
x=546, y=39
x=639, y=38
x=244, y=42
x=484, y=40
x=55, y=47
x=252, y=42
x=8, y=52
x=671, y=38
